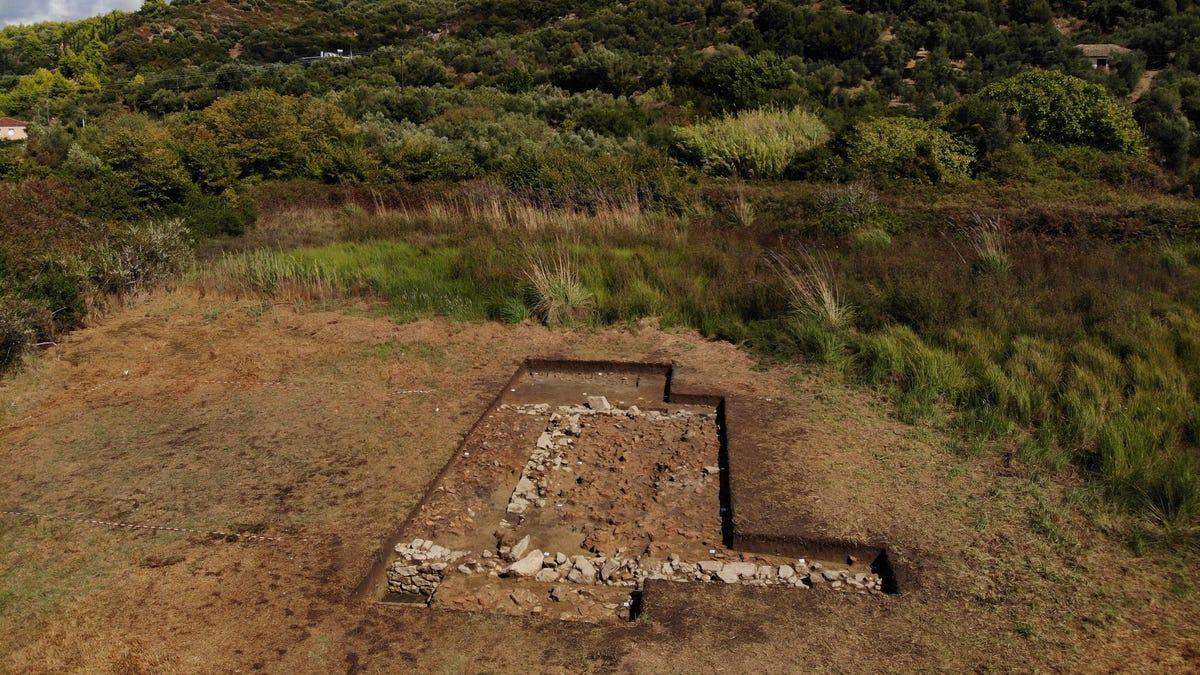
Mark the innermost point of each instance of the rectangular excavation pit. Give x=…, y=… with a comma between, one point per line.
x=583, y=481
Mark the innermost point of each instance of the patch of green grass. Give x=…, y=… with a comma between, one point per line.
x=415, y=281
x=414, y=351
x=873, y=239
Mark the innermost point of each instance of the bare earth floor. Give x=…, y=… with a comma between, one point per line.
x=306, y=438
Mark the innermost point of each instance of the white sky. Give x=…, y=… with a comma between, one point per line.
x=33, y=11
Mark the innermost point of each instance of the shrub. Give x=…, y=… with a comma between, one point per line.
x=753, y=144
x=847, y=208
x=59, y=283
x=1058, y=108
x=226, y=214
x=21, y=324
x=906, y=148
x=142, y=254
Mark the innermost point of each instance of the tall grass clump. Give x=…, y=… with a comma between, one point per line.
x=275, y=274
x=1143, y=467
x=752, y=144
x=743, y=209
x=1092, y=392
x=987, y=237
x=812, y=291
x=873, y=239
x=921, y=374
x=559, y=296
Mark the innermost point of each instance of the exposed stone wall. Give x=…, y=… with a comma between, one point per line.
x=423, y=565
x=633, y=572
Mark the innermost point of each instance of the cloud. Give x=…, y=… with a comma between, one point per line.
x=33, y=11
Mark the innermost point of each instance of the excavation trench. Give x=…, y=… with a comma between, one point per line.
x=582, y=482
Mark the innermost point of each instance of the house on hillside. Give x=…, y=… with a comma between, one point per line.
x=12, y=129
x=1100, y=54
x=322, y=55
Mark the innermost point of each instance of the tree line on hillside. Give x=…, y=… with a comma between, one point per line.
x=174, y=111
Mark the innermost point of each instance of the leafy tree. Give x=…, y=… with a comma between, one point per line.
x=270, y=135
x=1057, y=108
x=44, y=91
x=92, y=60
x=739, y=82
x=139, y=150
x=1128, y=68
x=1030, y=11
x=1160, y=114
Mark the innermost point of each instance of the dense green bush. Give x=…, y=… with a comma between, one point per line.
x=739, y=82
x=907, y=148
x=1057, y=108
x=273, y=136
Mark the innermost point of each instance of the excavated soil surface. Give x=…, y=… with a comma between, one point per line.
x=582, y=485
x=324, y=430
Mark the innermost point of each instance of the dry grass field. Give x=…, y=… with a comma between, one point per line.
x=321, y=430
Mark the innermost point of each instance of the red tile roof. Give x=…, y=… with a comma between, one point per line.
x=11, y=122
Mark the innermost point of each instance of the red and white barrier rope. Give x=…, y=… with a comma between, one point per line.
x=137, y=526
x=235, y=383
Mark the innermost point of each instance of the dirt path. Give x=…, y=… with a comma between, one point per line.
x=1143, y=84
x=323, y=429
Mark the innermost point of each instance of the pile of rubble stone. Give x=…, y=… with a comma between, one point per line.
x=421, y=567
x=532, y=486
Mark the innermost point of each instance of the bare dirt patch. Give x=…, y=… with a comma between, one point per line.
x=312, y=428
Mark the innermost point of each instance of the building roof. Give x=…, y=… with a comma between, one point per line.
x=11, y=122
x=1101, y=50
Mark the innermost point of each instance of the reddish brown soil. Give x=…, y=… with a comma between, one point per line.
x=1019, y=572
x=629, y=485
